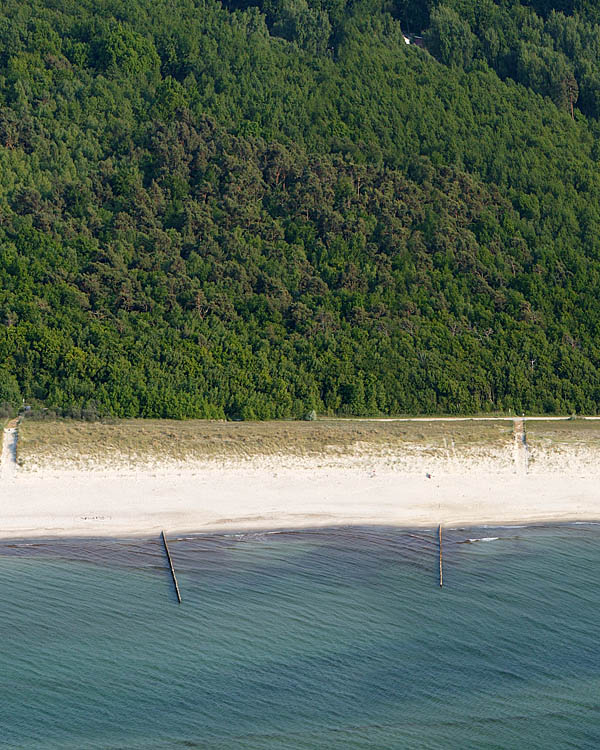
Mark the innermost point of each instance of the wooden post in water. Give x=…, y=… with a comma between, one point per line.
x=440, y=544
x=164, y=538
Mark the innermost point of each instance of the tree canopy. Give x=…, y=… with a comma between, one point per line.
x=253, y=211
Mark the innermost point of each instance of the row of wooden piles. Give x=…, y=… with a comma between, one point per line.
x=176, y=584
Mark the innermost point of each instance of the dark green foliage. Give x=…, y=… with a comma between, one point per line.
x=309, y=27
x=10, y=395
x=550, y=47
x=211, y=212
x=413, y=14
x=450, y=38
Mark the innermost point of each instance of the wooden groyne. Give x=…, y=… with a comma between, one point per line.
x=441, y=556
x=164, y=538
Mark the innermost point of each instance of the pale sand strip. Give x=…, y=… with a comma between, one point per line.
x=476, y=487
x=8, y=459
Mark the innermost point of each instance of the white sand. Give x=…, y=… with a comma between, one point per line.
x=496, y=486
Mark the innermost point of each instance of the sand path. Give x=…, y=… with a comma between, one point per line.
x=8, y=462
x=520, y=447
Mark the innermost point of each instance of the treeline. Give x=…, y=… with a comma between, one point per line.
x=203, y=216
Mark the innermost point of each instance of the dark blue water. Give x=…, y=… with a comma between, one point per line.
x=330, y=639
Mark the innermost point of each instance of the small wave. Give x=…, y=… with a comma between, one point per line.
x=481, y=539
x=508, y=526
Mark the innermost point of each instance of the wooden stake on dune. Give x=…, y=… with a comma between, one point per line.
x=164, y=538
x=440, y=543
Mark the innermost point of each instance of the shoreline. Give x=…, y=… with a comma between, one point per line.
x=182, y=536
x=133, y=480
x=213, y=499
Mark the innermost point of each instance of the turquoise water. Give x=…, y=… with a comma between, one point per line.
x=330, y=639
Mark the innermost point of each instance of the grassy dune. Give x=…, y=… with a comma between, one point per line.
x=580, y=433
x=143, y=440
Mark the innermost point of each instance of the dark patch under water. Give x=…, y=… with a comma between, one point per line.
x=336, y=638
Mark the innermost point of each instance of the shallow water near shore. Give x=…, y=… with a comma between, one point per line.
x=337, y=638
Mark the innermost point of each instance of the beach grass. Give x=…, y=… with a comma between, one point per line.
x=49, y=441
x=583, y=433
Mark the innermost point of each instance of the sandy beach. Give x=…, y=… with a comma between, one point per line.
x=501, y=483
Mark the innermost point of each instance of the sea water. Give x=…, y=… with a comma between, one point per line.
x=331, y=639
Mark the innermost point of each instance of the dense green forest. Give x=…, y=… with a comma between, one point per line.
x=256, y=209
